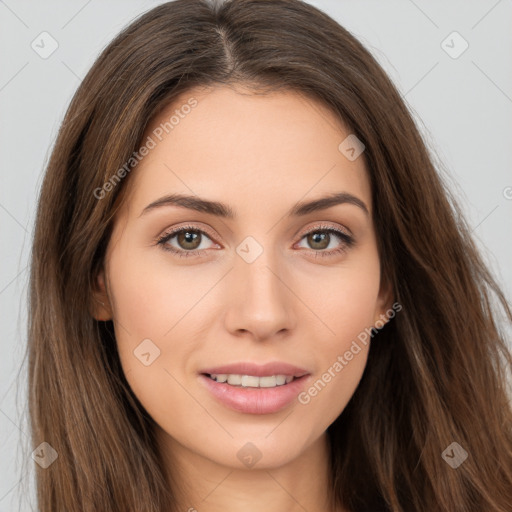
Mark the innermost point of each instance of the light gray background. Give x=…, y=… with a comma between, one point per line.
x=463, y=107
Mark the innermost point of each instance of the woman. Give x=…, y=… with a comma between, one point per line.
x=250, y=288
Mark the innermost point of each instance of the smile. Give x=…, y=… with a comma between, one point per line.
x=254, y=395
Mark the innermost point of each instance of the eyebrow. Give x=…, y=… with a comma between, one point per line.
x=225, y=211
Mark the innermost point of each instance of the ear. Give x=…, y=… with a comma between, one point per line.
x=101, y=308
x=384, y=303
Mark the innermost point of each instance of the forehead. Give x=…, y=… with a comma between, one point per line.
x=249, y=150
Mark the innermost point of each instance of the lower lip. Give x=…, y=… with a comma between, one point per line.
x=255, y=400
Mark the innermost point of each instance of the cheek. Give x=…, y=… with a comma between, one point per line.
x=150, y=298
x=347, y=306
x=340, y=371
x=346, y=302
x=147, y=304
x=150, y=318
x=159, y=314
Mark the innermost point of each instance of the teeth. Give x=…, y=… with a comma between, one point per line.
x=250, y=381
x=235, y=380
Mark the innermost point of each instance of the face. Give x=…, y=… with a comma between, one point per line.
x=262, y=280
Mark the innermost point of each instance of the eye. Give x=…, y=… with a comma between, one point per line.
x=189, y=239
x=321, y=237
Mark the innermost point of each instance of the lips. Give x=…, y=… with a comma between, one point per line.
x=246, y=398
x=255, y=400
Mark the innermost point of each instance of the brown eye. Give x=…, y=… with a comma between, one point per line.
x=185, y=241
x=189, y=239
x=318, y=240
x=321, y=238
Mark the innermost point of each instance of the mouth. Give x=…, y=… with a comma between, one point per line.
x=247, y=393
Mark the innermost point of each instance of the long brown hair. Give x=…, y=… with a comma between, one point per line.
x=436, y=373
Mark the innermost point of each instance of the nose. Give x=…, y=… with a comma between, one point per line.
x=262, y=303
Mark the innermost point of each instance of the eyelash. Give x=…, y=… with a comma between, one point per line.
x=347, y=241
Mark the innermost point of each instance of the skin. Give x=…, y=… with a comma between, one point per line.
x=259, y=154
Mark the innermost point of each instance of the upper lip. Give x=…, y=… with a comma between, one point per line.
x=257, y=370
